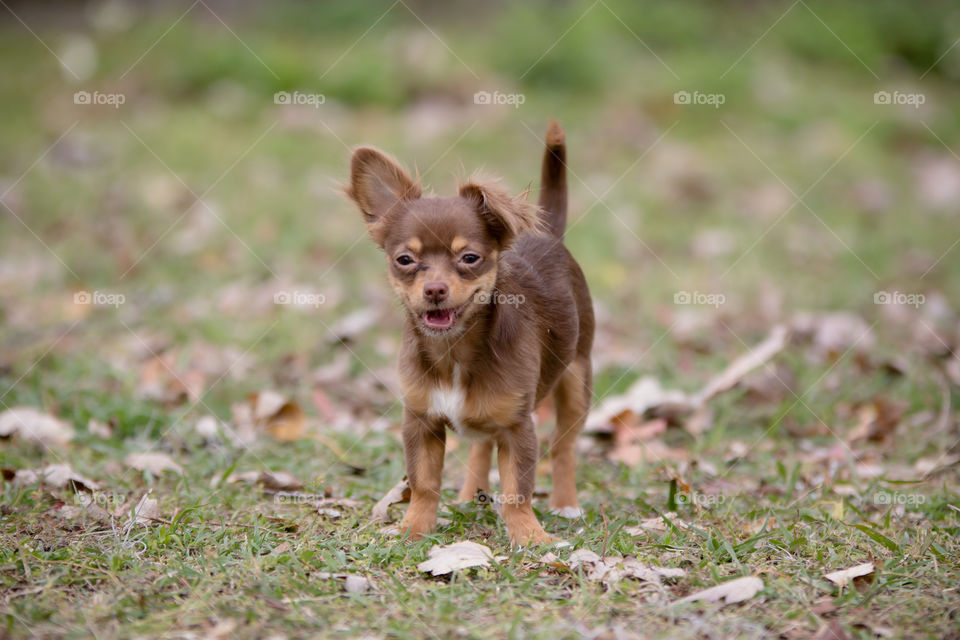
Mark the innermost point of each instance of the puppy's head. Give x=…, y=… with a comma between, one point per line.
x=442, y=253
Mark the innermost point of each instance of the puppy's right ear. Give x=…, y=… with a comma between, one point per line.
x=379, y=186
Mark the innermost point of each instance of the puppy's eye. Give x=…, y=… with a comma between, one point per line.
x=470, y=258
x=404, y=260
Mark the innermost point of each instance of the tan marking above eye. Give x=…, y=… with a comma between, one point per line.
x=459, y=244
x=415, y=244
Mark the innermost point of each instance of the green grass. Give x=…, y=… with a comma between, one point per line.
x=101, y=211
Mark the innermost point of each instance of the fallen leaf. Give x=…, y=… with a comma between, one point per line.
x=937, y=180
x=628, y=438
x=647, y=397
x=208, y=427
x=878, y=420
x=271, y=480
x=643, y=395
x=452, y=557
x=400, y=492
x=99, y=429
x=830, y=631
x=823, y=606
x=357, y=584
x=222, y=630
x=147, y=511
x=59, y=476
x=729, y=592
x=154, y=462
x=652, y=451
x=844, y=576
x=658, y=523
x=35, y=425
x=270, y=412
x=612, y=569
x=93, y=510
x=353, y=583
x=353, y=324
x=833, y=334
x=161, y=381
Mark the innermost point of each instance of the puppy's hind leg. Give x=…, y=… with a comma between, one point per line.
x=572, y=398
x=478, y=470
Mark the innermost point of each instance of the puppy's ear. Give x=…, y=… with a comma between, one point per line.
x=379, y=186
x=506, y=216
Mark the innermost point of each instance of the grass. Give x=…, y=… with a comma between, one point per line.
x=111, y=207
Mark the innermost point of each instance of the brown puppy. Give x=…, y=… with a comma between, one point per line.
x=498, y=317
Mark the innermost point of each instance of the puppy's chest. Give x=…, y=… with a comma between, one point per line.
x=470, y=409
x=448, y=401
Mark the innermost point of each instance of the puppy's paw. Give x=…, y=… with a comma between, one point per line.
x=571, y=513
x=416, y=527
x=530, y=534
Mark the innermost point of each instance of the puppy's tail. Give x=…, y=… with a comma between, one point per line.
x=553, y=181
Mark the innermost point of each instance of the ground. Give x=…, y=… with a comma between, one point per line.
x=733, y=169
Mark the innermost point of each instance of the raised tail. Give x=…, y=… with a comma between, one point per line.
x=553, y=181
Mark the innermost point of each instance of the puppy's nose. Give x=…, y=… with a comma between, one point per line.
x=435, y=292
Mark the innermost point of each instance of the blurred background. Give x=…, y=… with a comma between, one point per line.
x=173, y=234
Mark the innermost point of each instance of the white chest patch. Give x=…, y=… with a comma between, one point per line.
x=447, y=401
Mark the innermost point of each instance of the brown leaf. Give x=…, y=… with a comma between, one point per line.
x=35, y=425
x=452, y=557
x=267, y=412
x=611, y=569
x=833, y=334
x=831, y=631
x=729, y=592
x=271, y=480
x=657, y=523
x=878, y=420
x=823, y=606
x=400, y=492
x=147, y=512
x=59, y=476
x=154, y=462
x=287, y=424
x=844, y=576
x=161, y=381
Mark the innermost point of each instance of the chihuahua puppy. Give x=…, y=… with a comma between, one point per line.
x=498, y=317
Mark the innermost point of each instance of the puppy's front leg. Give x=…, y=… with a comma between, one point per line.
x=478, y=470
x=423, y=447
x=517, y=460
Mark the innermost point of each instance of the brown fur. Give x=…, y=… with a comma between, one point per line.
x=521, y=327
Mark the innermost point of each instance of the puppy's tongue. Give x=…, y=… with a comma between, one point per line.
x=439, y=319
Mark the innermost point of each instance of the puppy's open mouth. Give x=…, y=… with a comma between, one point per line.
x=442, y=319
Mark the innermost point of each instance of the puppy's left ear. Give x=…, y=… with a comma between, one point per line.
x=506, y=216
